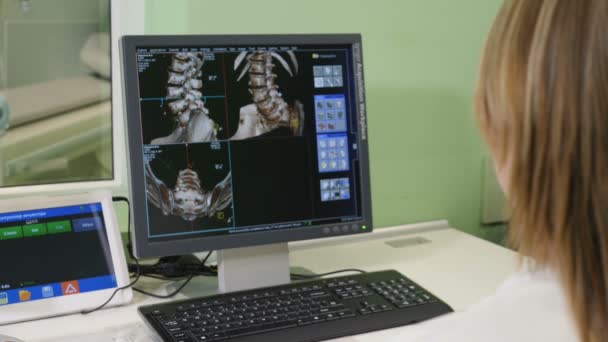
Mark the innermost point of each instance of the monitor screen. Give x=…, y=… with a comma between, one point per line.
x=240, y=138
x=45, y=250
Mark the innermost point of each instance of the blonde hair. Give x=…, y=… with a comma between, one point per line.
x=542, y=106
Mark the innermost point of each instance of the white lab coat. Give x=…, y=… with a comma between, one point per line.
x=528, y=307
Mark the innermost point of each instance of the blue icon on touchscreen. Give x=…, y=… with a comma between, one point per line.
x=3, y=298
x=47, y=292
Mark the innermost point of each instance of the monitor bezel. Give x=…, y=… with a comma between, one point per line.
x=143, y=247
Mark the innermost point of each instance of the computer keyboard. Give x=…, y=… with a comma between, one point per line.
x=310, y=310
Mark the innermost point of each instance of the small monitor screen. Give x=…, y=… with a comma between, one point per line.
x=54, y=252
x=239, y=139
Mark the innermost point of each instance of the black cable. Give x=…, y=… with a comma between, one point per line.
x=86, y=312
x=206, y=258
x=176, y=269
x=180, y=288
x=157, y=277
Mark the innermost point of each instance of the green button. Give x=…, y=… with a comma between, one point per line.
x=34, y=230
x=59, y=227
x=11, y=233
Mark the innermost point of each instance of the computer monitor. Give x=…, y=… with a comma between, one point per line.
x=246, y=140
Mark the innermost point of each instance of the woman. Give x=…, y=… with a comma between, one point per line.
x=542, y=104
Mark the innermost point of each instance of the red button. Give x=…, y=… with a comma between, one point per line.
x=70, y=287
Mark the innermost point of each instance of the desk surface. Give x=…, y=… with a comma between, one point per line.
x=457, y=267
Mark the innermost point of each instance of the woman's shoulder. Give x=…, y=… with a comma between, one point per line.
x=529, y=306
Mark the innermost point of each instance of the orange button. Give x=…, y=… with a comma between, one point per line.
x=70, y=287
x=25, y=295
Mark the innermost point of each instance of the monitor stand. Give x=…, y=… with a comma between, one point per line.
x=253, y=267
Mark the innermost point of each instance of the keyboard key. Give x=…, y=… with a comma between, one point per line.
x=305, y=320
x=345, y=313
x=331, y=316
x=318, y=294
x=317, y=318
x=203, y=331
x=184, y=339
x=218, y=336
x=173, y=323
x=404, y=304
x=364, y=311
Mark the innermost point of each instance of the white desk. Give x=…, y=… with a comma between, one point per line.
x=457, y=267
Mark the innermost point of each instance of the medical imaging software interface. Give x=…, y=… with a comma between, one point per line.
x=54, y=252
x=241, y=139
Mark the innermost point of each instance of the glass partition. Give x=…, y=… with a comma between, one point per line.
x=55, y=92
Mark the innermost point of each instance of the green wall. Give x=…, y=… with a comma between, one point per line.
x=421, y=60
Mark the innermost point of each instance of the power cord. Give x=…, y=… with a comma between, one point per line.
x=86, y=312
x=181, y=287
x=175, y=268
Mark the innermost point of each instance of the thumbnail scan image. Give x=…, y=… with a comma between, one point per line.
x=220, y=96
x=189, y=186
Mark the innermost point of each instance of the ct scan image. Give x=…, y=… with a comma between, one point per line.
x=188, y=188
x=190, y=97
